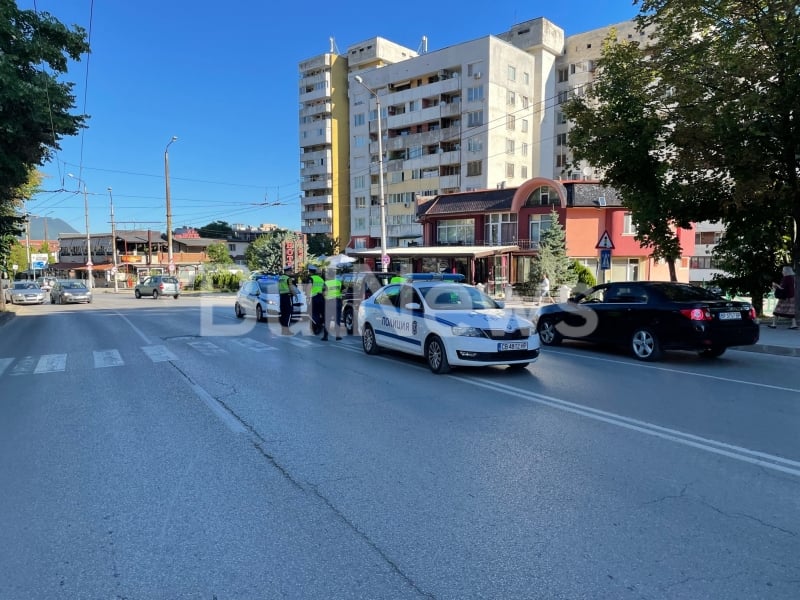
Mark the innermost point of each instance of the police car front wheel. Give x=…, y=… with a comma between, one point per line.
x=368, y=340
x=436, y=355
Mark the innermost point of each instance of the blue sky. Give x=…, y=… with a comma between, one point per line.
x=222, y=76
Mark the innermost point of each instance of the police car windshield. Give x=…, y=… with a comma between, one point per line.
x=456, y=297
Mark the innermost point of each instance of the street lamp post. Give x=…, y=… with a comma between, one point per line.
x=89, y=263
x=171, y=265
x=113, y=243
x=381, y=197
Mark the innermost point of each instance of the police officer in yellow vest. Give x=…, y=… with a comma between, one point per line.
x=287, y=291
x=316, y=293
x=333, y=304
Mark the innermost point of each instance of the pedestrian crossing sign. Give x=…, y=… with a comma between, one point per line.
x=605, y=243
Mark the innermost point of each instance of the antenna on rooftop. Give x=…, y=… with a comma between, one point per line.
x=334, y=49
x=423, y=45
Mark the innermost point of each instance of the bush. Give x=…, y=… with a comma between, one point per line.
x=584, y=274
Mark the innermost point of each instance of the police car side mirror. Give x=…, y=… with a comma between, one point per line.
x=413, y=306
x=500, y=303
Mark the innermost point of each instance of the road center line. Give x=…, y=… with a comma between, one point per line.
x=768, y=461
x=132, y=326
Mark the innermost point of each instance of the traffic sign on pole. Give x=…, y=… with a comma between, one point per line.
x=605, y=242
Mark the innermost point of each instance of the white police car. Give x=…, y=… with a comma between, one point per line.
x=448, y=323
x=259, y=297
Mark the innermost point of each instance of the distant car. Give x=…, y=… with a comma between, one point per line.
x=68, y=291
x=25, y=292
x=357, y=286
x=158, y=285
x=648, y=317
x=260, y=298
x=447, y=323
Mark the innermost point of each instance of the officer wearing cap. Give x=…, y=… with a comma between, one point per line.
x=317, y=304
x=287, y=290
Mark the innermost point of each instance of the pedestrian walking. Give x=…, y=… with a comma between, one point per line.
x=784, y=292
x=316, y=293
x=333, y=305
x=287, y=291
x=544, y=288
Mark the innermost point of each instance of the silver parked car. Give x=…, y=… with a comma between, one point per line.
x=66, y=291
x=25, y=292
x=260, y=298
x=158, y=285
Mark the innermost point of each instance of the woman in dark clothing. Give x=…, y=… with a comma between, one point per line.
x=784, y=292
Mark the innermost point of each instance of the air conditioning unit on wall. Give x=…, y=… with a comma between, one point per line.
x=477, y=75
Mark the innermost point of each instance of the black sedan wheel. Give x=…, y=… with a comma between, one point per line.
x=547, y=332
x=645, y=345
x=369, y=342
x=259, y=313
x=436, y=355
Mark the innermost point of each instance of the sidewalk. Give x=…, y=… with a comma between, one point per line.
x=780, y=341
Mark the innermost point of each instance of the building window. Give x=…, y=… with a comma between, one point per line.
x=359, y=182
x=511, y=122
x=359, y=119
x=500, y=228
x=562, y=75
x=415, y=152
x=474, y=94
x=512, y=73
x=361, y=202
x=561, y=160
x=561, y=139
x=703, y=262
x=707, y=237
x=360, y=223
x=509, y=170
x=475, y=118
x=509, y=146
x=474, y=144
x=474, y=168
x=413, y=105
x=525, y=102
x=526, y=78
x=563, y=96
x=628, y=228
x=542, y=196
x=523, y=171
x=456, y=231
x=524, y=125
x=524, y=149
x=561, y=118
x=537, y=226
x=511, y=98
x=473, y=68
x=359, y=141
x=231, y=247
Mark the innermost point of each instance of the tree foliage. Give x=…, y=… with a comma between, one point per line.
x=216, y=229
x=266, y=251
x=553, y=259
x=620, y=126
x=218, y=253
x=322, y=243
x=733, y=67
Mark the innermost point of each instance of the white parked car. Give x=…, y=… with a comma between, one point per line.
x=448, y=323
x=259, y=297
x=25, y=292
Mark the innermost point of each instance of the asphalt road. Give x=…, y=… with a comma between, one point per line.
x=163, y=449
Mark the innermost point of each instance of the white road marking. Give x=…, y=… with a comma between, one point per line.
x=107, y=358
x=762, y=459
x=208, y=348
x=50, y=363
x=4, y=363
x=24, y=366
x=158, y=353
x=252, y=345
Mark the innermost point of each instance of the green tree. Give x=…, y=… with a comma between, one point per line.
x=622, y=127
x=265, y=253
x=733, y=70
x=218, y=253
x=553, y=259
x=322, y=243
x=584, y=278
x=217, y=229
x=35, y=105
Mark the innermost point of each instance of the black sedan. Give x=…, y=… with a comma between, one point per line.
x=649, y=317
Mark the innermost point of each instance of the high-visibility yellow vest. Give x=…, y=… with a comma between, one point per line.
x=333, y=289
x=283, y=284
x=396, y=279
x=317, y=285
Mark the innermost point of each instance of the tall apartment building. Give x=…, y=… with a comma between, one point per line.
x=480, y=114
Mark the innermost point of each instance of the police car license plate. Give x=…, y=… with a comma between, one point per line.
x=501, y=346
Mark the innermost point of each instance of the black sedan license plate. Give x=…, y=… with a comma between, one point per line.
x=501, y=346
x=730, y=316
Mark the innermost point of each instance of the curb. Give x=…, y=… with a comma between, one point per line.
x=6, y=316
x=770, y=349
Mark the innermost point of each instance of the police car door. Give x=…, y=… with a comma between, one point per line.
x=410, y=320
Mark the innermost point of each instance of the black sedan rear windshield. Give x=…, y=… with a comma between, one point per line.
x=685, y=293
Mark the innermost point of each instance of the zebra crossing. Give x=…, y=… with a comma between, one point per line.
x=156, y=353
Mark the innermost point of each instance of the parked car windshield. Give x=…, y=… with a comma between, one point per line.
x=74, y=285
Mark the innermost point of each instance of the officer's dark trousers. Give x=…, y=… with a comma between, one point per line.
x=285, y=310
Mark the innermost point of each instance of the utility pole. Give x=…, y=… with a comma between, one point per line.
x=171, y=265
x=113, y=243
